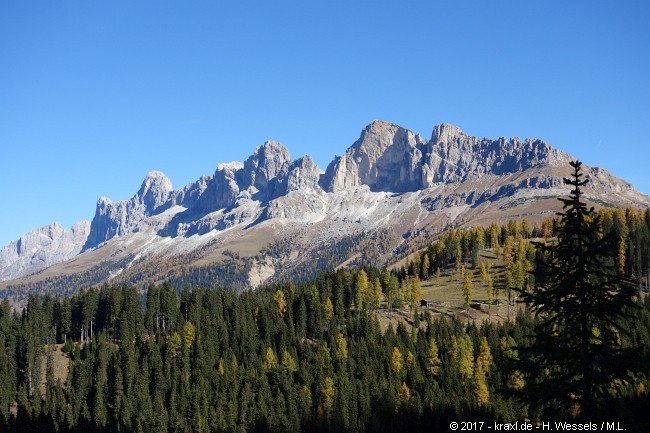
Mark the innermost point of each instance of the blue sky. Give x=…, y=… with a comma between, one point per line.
x=93, y=95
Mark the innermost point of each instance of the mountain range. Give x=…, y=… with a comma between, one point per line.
x=271, y=217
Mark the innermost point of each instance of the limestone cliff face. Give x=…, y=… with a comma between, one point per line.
x=263, y=166
x=41, y=248
x=387, y=167
x=220, y=190
x=452, y=156
x=234, y=189
x=390, y=158
x=124, y=217
x=386, y=158
x=154, y=193
x=302, y=174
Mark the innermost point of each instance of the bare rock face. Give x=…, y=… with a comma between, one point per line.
x=304, y=174
x=124, y=217
x=221, y=190
x=41, y=248
x=453, y=156
x=267, y=174
x=264, y=165
x=155, y=192
x=390, y=179
x=190, y=193
x=390, y=158
x=386, y=158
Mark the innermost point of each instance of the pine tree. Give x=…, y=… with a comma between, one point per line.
x=270, y=360
x=576, y=357
x=515, y=380
x=391, y=285
x=376, y=293
x=404, y=397
x=424, y=267
x=288, y=362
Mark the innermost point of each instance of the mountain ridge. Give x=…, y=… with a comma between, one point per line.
x=391, y=180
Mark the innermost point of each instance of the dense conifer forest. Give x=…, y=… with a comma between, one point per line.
x=313, y=356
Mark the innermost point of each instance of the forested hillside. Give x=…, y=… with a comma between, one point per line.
x=285, y=359
x=303, y=357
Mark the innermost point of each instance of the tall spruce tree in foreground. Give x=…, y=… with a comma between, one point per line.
x=577, y=363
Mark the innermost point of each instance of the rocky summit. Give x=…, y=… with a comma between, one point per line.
x=271, y=216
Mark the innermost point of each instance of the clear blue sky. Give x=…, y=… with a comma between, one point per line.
x=93, y=95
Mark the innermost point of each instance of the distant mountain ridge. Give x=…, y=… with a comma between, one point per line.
x=42, y=248
x=390, y=180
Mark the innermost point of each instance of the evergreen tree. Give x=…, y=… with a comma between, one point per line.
x=576, y=359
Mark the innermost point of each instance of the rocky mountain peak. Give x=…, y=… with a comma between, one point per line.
x=265, y=164
x=381, y=158
x=446, y=133
x=117, y=219
x=451, y=178
x=303, y=174
x=41, y=248
x=155, y=191
x=104, y=201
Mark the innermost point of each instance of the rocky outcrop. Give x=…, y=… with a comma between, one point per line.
x=303, y=174
x=453, y=156
x=221, y=192
x=390, y=158
x=121, y=218
x=155, y=192
x=41, y=248
x=266, y=175
x=190, y=193
x=263, y=167
x=386, y=158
